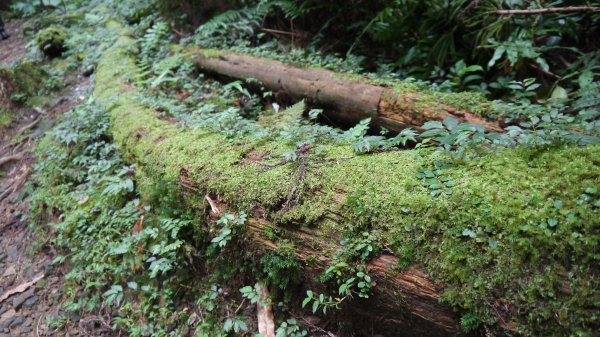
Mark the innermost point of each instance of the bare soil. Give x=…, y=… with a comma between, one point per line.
x=30, y=286
x=15, y=47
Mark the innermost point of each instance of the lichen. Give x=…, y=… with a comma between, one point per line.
x=493, y=242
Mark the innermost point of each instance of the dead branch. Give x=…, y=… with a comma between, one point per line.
x=213, y=206
x=571, y=9
x=20, y=288
x=277, y=31
x=264, y=312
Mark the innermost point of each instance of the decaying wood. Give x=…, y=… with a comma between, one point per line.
x=214, y=210
x=264, y=312
x=401, y=301
x=350, y=99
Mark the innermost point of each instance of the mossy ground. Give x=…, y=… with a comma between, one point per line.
x=5, y=118
x=499, y=242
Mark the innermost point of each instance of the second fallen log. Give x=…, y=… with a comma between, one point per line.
x=351, y=98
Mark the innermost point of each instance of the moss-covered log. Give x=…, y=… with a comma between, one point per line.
x=407, y=301
x=488, y=241
x=351, y=98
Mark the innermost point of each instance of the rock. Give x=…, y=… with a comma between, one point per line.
x=20, y=299
x=10, y=271
x=5, y=323
x=17, y=322
x=30, y=302
x=25, y=330
x=12, y=253
x=48, y=267
x=2, y=256
x=28, y=321
x=74, y=316
x=3, y=309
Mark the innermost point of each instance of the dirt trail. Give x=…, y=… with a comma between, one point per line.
x=15, y=47
x=30, y=308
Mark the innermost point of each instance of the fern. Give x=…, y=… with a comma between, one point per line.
x=244, y=21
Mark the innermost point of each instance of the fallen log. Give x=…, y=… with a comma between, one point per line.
x=351, y=98
x=418, y=312
x=382, y=194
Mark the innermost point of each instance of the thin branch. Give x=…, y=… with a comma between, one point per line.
x=276, y=31
x=571, y=9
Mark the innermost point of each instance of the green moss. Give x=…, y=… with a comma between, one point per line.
x=493, y=242
x=6, y=118
x=28, y=77
x=23, y=80
x=52, y=41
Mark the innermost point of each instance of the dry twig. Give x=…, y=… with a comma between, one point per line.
x=571, y=9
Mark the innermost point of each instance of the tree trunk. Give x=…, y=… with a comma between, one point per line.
x=403, y=303
x=351, y=98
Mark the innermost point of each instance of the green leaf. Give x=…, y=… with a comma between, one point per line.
x=450, y=123
x=497, y=55
x=558, y=204
x=469, y=233
x=559, y=93
x=305, y=302
x=315, y=307
x=432, y=125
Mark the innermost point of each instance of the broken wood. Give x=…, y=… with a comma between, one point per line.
x=264, y=312
x=214, y=210
x=10, y=158
x=20, y=288
x=27, y=127
x=416, y=306
x=350, y=98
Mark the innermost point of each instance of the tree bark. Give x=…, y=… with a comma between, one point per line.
x=351, y=98
x=402, y=302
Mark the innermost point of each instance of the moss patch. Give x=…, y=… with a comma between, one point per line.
x=51, y=41
x=516, y=243
x=5, y=118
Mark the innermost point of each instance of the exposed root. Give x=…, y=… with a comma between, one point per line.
x=10, y=158
x=28, y=126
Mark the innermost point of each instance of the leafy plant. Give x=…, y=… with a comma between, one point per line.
x=230, y=224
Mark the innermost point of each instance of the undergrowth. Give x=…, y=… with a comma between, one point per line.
x=508, y=222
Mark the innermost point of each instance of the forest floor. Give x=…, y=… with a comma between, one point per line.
x=30, y=287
